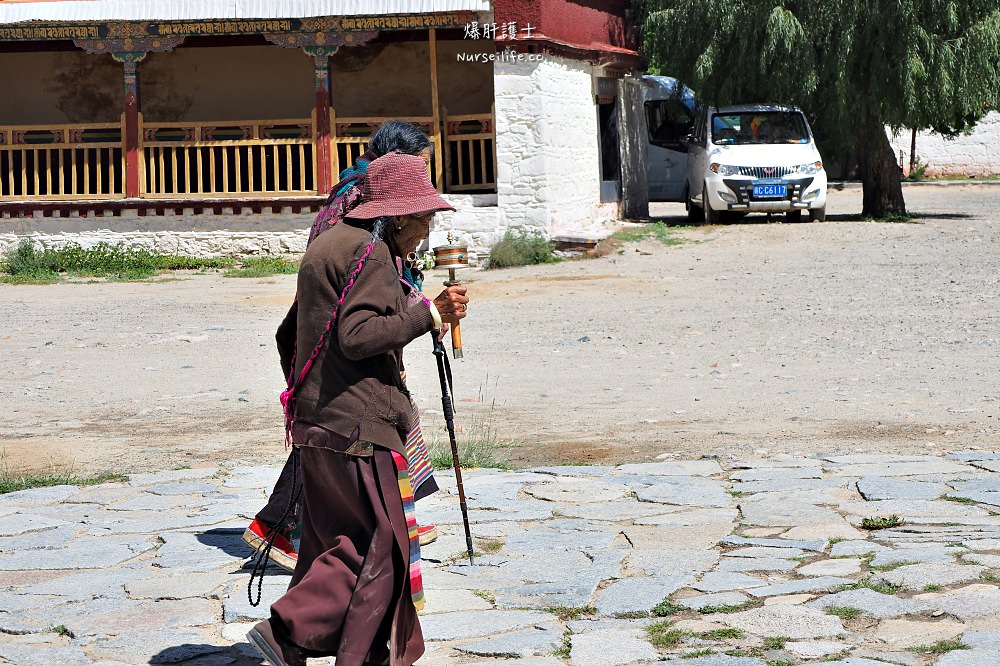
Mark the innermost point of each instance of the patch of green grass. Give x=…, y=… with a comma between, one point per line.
x=657, y=231
x=566, y=613
x=485, y=595
x=663, y=635
x=939, y=648
x=255, y=267
x=26, y=264
x=479, y=445
x=734, y=608
x=989, y=577
x=868, y=583
x=632, y=615
x=881, y=522
x=736, y=493
x=893, y=565
x=517, y=248
x=12, y=481
x=667, y=607
x=780, y=662
x=62, y=630
x=933, y=587
x=720, y=634
x=836, y=540
x=775, y=642
x=800, y=558
x=890, y=217
x=489, y=546
x=957, y=500
x=844, y=612
x=698, y=653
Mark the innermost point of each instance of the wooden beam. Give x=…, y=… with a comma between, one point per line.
x=436, y=114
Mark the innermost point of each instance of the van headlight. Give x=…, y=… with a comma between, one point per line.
x=724, y=169
x=810, y=168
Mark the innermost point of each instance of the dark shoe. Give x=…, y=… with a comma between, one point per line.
x=276, y=651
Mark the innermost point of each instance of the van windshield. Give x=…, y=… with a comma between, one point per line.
x=759, y=127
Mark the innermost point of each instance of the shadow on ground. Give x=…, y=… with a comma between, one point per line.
x=205, y=655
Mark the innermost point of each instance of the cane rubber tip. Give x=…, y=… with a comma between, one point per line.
x=458, y=353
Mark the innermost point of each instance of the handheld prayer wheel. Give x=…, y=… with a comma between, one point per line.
x=453, y=257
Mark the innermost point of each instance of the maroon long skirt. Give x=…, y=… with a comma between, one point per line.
x=349, y=595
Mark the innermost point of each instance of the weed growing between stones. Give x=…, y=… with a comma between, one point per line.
x=667, y=607
x=959, y=500
x=933, y=587
x=663, y=635
x=939, y=648
x=485, y=595
x=566, y=613
x=780, y=662
x=631, y=615
x=881, y=522
x=893, y=565
x=563, y=650
x=883, y=588
x=989, y=577
x=720, y=634
x=694, y=654
x=735, y=608
x=835, y=540
x=489, y=546
x=844, y=612
x=61, y=630
x=775, y=642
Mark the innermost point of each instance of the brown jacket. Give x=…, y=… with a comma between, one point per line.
x=353, y=387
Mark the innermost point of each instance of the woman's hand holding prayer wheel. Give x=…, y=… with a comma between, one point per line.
x=452, y=303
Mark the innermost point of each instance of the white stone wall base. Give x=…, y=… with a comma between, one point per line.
x=974, y=155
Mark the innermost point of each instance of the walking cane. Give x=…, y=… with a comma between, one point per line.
x=444, y=372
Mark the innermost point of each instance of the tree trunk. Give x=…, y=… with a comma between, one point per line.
x=880, y=175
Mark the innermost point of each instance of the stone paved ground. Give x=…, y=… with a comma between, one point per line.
x=762, y=561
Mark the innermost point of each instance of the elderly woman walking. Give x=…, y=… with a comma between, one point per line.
x=272, y=529
x=352, y=594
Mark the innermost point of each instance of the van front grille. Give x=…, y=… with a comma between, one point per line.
x=766, y=172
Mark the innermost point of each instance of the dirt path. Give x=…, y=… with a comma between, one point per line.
x=842, y=336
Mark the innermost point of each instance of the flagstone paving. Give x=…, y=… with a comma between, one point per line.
x=720, y=562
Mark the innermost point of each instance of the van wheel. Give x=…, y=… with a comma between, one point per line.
x=817, y=214
x=793, y=216
x=711, y=216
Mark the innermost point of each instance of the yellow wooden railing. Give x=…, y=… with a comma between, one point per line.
x=253, y=158
x=65, y=162
x=470, y=152
x=350, y=135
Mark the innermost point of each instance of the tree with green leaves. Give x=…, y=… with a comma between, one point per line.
x=854, y=66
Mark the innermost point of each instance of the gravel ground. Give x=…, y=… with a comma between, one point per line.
x=756, y=338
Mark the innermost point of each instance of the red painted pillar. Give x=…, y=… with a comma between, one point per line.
x=324, y=145
x=132, y=156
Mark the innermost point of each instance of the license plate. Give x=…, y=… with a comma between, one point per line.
x=770, y=191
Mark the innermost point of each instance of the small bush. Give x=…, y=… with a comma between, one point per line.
x=521, y=249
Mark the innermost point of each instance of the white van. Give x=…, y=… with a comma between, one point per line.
x=735, y=159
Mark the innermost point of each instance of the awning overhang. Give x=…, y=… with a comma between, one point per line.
x=181, y=10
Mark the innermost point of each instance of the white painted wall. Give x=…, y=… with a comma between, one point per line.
x=976, y=154
x=547, y=148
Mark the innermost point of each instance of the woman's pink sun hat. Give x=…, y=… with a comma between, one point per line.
x=397, y=184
